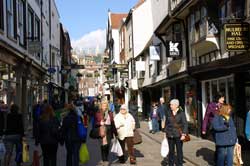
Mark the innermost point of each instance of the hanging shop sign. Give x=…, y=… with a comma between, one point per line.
x=174, y=48
x=124, y=74
x=237, y=36
x=154, y=52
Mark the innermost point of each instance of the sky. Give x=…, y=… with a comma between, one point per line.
x=86, y=20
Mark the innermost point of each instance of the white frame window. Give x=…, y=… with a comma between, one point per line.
x=211, y=87
x=21, y=6
x=10, y=17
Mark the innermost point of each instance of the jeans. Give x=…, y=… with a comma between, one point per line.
x=49, y=154
x=72, y=153
x=172, y=142
x=225, y=153
x=155, y=124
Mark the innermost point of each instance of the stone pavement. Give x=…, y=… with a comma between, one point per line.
x=196, y=152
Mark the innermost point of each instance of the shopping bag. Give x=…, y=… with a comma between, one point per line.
x=237, y=160
x=150, y=127
x=2, y=150
x=25, y=154
x=164, y=147
x=137, y=137
x=116, y=148
x=83, y=154
x=36, y=158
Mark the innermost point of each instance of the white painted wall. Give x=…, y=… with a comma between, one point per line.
x=115, y=36
x=142, y=27
x=146, y=18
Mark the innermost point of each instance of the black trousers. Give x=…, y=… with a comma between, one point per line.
x=172, y=142
x=49, y=154
x=105, y=152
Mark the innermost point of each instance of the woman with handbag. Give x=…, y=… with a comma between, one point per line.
x=225, y=135
x=125, y=125
x=105, y=122
x=176, y=131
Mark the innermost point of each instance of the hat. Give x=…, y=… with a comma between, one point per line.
x=175, y=101
x=123, y=107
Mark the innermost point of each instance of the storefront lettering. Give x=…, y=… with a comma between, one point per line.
x=237, y=37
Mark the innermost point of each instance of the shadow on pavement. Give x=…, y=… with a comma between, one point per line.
x=138, y=153
x=207, y=154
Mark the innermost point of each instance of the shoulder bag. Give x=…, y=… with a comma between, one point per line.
x=187, y=137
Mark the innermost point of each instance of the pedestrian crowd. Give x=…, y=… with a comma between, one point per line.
x=116, y=126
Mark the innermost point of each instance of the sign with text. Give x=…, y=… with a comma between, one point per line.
x=154, y=52
x=237, y=36
x=174, y=48
x=124, y=74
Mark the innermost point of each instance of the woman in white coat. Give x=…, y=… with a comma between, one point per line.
x=125, y=125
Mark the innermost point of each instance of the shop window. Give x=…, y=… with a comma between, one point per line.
x=211, y=87
x=1, y=16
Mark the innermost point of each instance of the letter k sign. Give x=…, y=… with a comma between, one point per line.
x=173, y=47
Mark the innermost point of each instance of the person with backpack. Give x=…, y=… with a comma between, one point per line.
x=71, y=135
x=47, y=135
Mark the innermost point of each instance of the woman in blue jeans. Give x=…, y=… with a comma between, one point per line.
x=225, y=135
x=154, y=116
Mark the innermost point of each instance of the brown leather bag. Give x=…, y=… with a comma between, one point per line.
x=137, y=137
x=187, y=137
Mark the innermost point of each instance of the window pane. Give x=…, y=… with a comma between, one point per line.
x=207, y=93
x=1, y=15
x=222, y=85
x=230, y=90
x=214, y=88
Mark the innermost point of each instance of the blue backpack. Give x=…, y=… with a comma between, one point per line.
x=38, y=111
x=82, y=130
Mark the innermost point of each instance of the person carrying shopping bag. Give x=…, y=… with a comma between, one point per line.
x=71, y=138
x=225, y=135
x=104, y=121
x=125, y=125
x=176, y=120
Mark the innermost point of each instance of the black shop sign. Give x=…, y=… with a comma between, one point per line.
x=237, y=36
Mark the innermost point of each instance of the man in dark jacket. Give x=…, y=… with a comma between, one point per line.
x=133, y=110
x=71, y=137
x=176, y=129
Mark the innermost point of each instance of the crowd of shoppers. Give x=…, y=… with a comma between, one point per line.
x=102, y=114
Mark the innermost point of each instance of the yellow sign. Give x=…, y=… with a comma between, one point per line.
x=237, y=36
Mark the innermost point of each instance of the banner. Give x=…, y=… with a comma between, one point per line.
x=154, y=53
